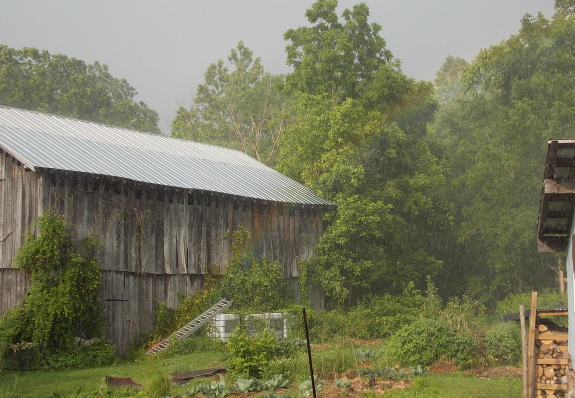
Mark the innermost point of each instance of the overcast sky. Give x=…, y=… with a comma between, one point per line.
x=163, y=47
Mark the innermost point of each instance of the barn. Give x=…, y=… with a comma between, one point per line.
x=163, y=208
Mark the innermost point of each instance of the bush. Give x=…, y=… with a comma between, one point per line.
x=429, y=340
x=503, y=344
x=374, y=318
x=249, y=356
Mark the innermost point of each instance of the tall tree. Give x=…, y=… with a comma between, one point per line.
x=36, y=80
x=240, y=109
x=517, y=95
x=358, y=137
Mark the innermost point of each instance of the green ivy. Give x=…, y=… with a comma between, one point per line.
x=255, y=285
x=63, y=300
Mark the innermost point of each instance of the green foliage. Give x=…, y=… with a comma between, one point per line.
x=255, y=285
x=159, y=387
x=326, y=363
x=170, y=319
x=63, y=300
x=39, y=81
x=249, y=356
x=512, y=98
x=428, y=340
x=450, y=71
x=241, y=109
x=503, y=344
x=374, y=317
x=550, y=299
x=359, y=138
x=244, y=386
x=393, y=373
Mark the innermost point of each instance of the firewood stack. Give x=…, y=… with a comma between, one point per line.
x=551, y=362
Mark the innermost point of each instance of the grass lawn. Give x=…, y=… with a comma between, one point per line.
x=39, y=384
x=65, y=383
x=457, y=385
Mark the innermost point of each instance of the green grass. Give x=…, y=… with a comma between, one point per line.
x=457, y=385
x=37, y=384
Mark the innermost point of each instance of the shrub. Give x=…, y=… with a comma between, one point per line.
x=428, y=340
x=63, y=301
x=374, y=318
x=249, y=356
x=503, y=344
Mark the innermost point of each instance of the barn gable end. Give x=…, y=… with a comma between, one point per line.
x=164, y=209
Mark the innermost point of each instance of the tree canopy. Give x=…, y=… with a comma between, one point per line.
x=38, y=81
x=240, y=109
x=358, y=137
x=516, y=95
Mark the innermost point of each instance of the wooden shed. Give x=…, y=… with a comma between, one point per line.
x=163, y=208
x=556, y=233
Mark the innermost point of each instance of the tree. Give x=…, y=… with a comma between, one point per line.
x=35, y=80
x=450, y=71
x=241, y=109
x=517, y=94
x=358, y=138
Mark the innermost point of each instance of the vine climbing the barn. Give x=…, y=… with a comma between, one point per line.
x=62, y=305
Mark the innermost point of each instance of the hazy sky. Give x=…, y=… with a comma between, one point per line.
x=163, y=47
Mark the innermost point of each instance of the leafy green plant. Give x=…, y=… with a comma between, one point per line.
x=159, y=387
x=63, y=300
x=250, y=355
x=342, y=384
x=366, y=354
x=306, y=386
x=503, y=344
x=213, y=389
x=255, y=285
x=428, y=340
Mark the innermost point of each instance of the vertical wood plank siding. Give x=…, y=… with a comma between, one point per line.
x=157, y=242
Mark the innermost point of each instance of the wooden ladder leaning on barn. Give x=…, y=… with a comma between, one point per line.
x=191, y=327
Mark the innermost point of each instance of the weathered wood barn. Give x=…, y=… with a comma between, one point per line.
x=163, y=208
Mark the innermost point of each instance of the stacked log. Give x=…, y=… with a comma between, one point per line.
x=551, y=363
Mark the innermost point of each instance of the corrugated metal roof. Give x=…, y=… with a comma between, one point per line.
x=54, y=142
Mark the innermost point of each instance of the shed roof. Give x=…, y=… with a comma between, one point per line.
x=557, y=203
x=40, y=140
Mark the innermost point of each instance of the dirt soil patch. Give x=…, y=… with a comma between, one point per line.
x=361, y=387
x=443, y=367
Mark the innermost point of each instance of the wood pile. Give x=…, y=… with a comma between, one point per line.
x=551, y=362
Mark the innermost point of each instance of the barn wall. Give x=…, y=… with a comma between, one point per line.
x=156, y=241
x=19, y=205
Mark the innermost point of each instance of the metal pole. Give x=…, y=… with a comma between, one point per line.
x=309, y=352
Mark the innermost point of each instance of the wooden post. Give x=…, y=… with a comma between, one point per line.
x=524, y=350
x=531, y=347
x=561, y=282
